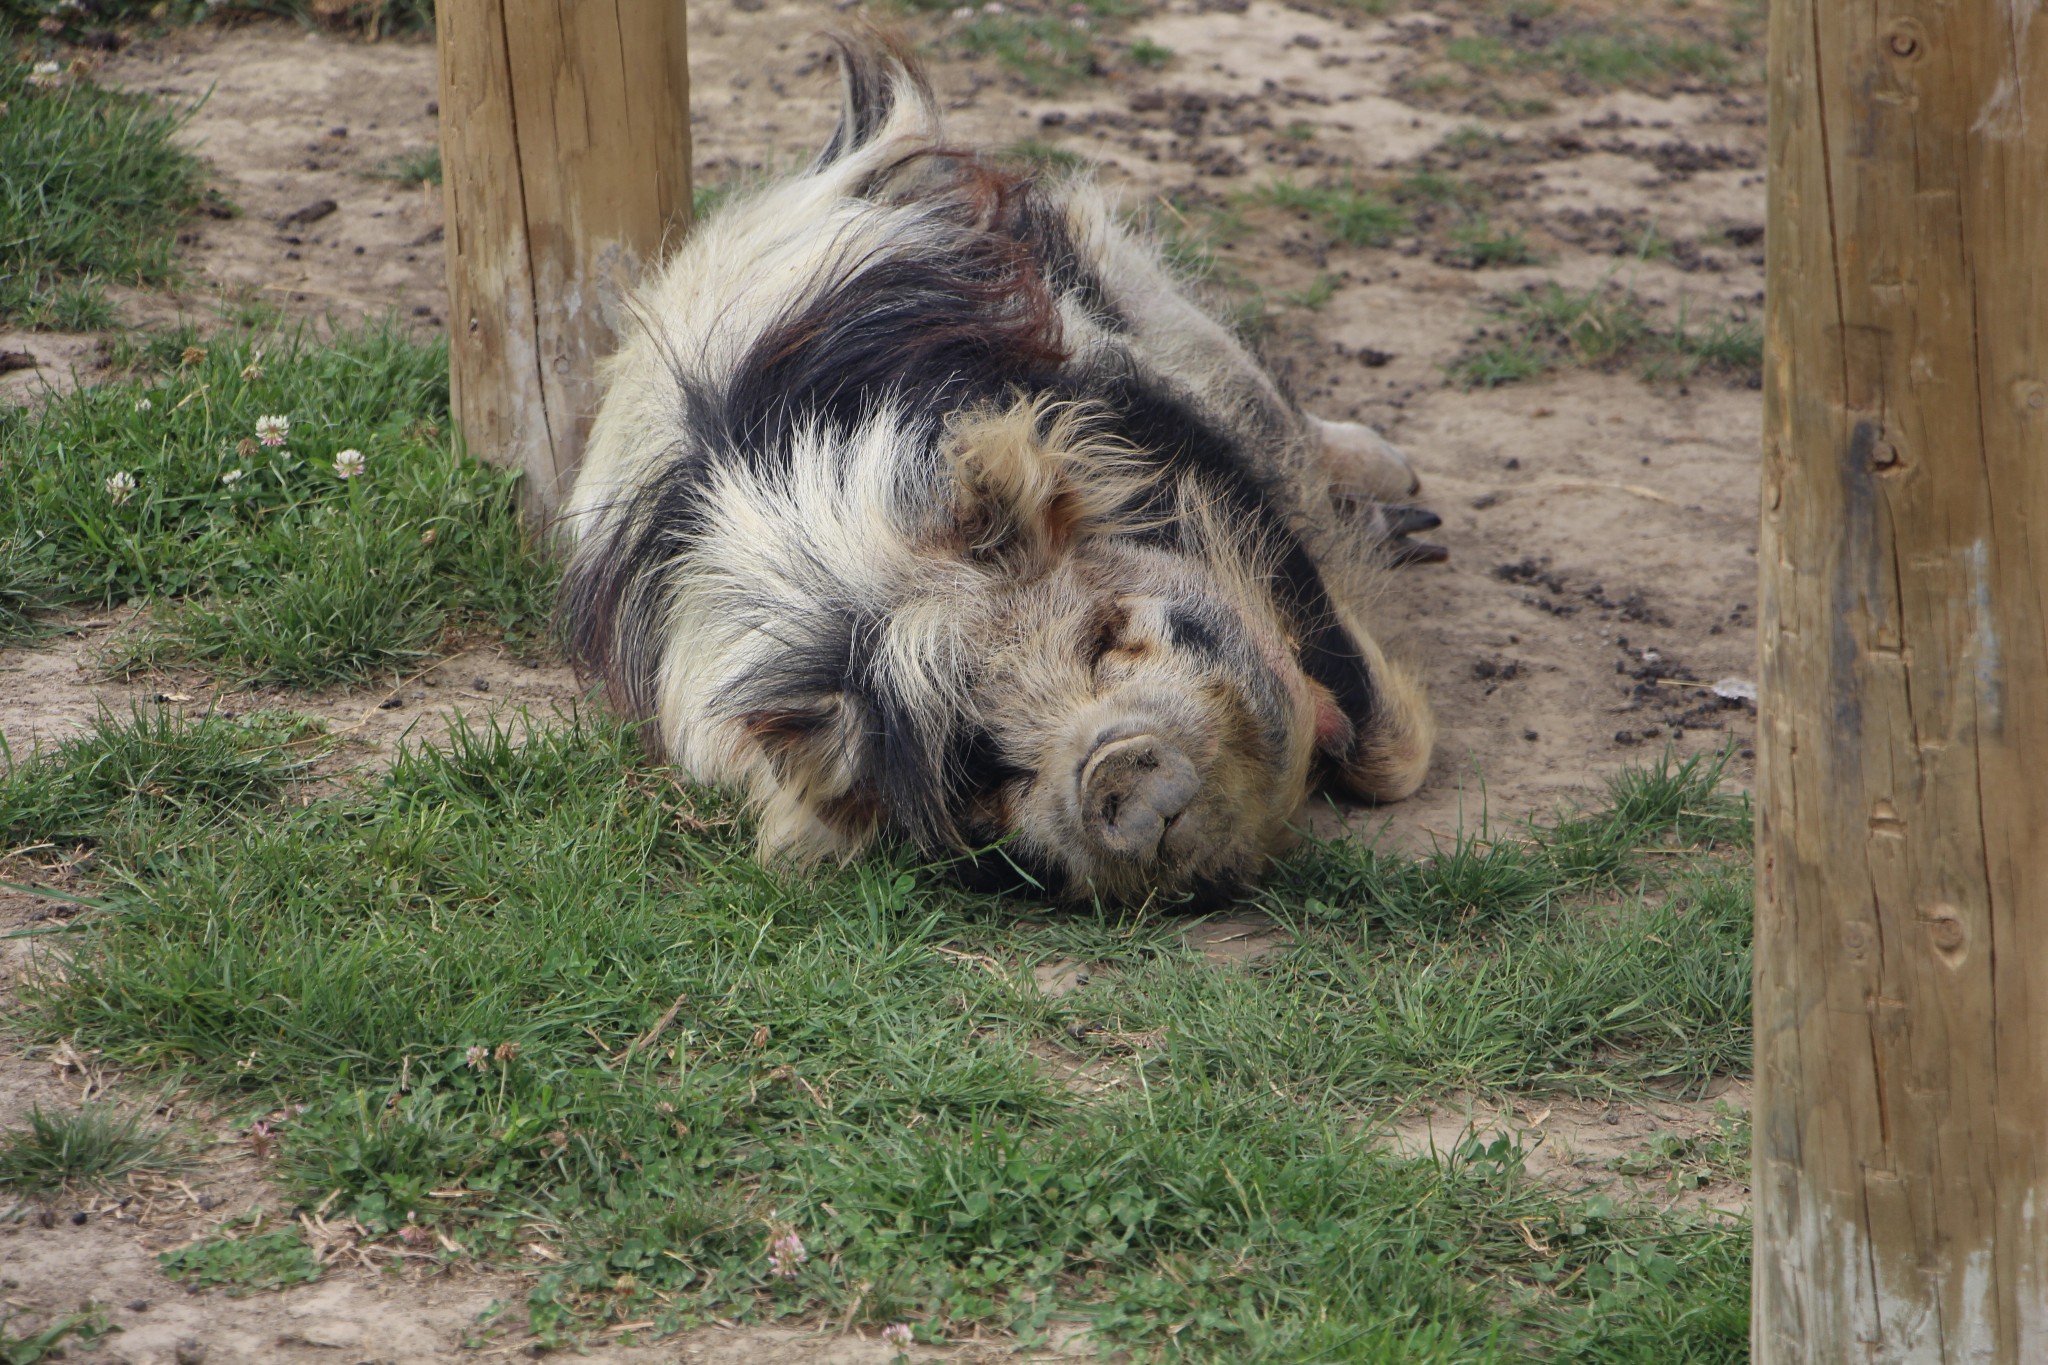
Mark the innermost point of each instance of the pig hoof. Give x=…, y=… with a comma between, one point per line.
x=1398, y=523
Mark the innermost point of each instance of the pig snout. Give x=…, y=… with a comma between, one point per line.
x=1132, y=788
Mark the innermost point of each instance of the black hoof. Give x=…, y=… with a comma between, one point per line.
x=1404, y=552
x=1404, y=520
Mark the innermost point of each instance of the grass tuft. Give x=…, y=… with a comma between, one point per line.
x=92, y=187
x=1050, y=52
x=1317, y=295
x=85, y=1146
x=151, y=766
x=271, y=564
x=1479, y=245
x=1604, y=327
x=1150, y=55
x=413, y=169
x=1352, y=216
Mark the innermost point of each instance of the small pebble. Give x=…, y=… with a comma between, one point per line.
x=138, y=1305
x=1531, y=736
x=78, y=1219
x=481, y=684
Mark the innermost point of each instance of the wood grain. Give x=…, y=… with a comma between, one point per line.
x=1902, y=830
x=565, y=135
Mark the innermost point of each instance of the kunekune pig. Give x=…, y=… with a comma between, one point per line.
x=924, y=502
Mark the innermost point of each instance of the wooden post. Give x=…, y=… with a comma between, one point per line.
x=1901, y=1164
x=565, y=145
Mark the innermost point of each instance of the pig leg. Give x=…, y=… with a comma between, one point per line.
x=1363, y=466
x=1368, y=477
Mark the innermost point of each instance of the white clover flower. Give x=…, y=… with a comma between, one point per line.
x=897, y=1334
x=785, y=1254
x=45, y=75
x=142, y=405
x=348, y=464
x=120, y=487
x=234, y=476
x=47, y=68
x=272, y=431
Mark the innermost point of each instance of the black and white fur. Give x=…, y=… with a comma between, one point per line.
x=923, y=500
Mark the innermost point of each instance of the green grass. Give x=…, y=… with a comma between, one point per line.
x=1150, y=55
x=1050, y=52
x=137, y=771
x=1041, y=155
x=1493, y=361
x=413, y=169
x=1355, y=217
x=73, y=23
x=88, y=1146
x=1548, y=326
x=1316, y=295
x=1478, y=245
x=1440, y=190
x=92, y=187
x=1611, y=58
x=1725, y=344
x=263, y=561
x=256, y=1260
x=529, y=990
x=37, y=1344
x=1482, y=54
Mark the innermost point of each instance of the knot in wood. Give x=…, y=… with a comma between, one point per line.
x=1947, y=933
x=1904, y=43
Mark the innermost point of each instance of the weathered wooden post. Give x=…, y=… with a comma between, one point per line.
x=1901, y=1114
x=565, y=147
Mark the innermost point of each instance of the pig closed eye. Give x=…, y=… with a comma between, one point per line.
x=1189, y=629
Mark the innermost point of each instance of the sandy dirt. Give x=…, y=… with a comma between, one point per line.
x=1601, y=530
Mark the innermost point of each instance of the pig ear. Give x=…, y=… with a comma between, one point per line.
x=1032, y=480
x=1014, y=501
x=807, y=781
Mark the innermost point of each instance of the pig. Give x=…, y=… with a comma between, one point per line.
x=925, y=502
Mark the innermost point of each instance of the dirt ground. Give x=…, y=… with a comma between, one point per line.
x=1601, y=530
